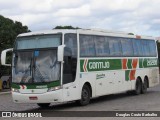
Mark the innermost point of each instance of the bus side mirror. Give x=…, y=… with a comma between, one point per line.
x=158, y=41
x=3, y=57
x=60, y=53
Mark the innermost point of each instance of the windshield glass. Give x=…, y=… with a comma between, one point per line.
x=39, y=41
x=36, y=66
x=35, y=59
x=22, y=71
x=46, y=66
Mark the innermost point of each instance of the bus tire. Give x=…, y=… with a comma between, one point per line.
x=85, y=96
x=144, y=86
x=43, y=105
x=138, y=87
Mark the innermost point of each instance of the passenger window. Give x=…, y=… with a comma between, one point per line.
x=145, y=48
x=152, y=47
x=101, y=46
x=127, y=47
x=114, y=46
x=137, y=47
x=70, y=58
x=87, y=46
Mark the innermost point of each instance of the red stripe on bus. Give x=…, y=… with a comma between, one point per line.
x=132, y=74
x=134, y=63
x=124, y=63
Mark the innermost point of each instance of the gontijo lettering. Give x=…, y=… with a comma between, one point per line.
x=99, y=65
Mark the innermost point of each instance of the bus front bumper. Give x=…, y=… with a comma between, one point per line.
x=48, y=97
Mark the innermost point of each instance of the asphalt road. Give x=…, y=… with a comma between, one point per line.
x=117, y=102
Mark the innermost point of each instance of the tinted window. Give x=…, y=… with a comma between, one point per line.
x=71, y=42
x=137, y=47
x=145, y=48
x=127, y=47
x=114, y=46
x=152, y=47
x=70, y=58
x=101, y=46
x=87, y=46
x=91, y=46
x=39, y=41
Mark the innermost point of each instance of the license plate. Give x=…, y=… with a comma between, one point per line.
x=33, y=98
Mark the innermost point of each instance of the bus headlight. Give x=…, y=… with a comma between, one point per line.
x=15, y=90
x=54, y=88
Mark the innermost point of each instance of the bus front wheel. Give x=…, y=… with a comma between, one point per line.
x=85, y=96
x=43, y=105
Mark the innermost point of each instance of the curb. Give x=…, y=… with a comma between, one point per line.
x=3, y=93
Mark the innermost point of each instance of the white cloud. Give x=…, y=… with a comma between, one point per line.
x=30, y=19
x=113, y=5
x=36, y=5
x=139, y=16
x=73, y=12
x=156, y=21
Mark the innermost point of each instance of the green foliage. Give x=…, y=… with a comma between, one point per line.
x=66, y=27
x=130, y=34
x=8, y=33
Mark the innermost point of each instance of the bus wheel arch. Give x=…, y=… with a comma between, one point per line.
x=138, y=86
x=86, y=94
x=90, y=87
x=147, y=80
x=145, y=85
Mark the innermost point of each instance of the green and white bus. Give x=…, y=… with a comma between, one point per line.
x=77, y=65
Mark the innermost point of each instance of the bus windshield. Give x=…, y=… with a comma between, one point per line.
x=35, y=59
x=38, y=41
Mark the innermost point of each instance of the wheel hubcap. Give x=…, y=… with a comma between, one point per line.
x=84, y=95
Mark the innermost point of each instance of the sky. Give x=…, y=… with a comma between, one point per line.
x=140, y=17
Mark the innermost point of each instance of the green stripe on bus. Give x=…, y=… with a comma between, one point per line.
x=14, y=85
x=148, y=62
x=100, y=64
x=54, y=84
x=127, y=72
x=81, y=65
x=129, y=64
x=89, y=65
x=140, y=63
x=38, y=86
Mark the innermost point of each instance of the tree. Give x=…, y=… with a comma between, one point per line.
x=66, y=27
x=8, y=33
x=130, y=33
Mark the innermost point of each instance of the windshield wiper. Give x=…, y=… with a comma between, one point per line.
x=30, y=67
x=54, y=63
x=39, y=74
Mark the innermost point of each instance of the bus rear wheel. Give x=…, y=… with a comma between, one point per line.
x=43, y=105
x=144, y=86
x=138, y=87
x=85, y=96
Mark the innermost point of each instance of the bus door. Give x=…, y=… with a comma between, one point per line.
x=69, y=68
x=69, y=86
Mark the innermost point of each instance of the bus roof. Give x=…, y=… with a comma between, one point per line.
x=87, y=31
